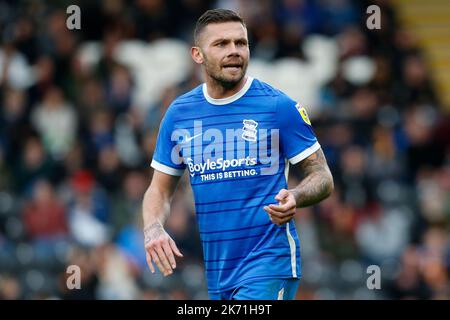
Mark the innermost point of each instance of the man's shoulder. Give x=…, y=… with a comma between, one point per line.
x=186, y=102
x=265, y=89
x=195, y=95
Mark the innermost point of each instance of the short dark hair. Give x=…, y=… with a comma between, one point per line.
x=215, y=16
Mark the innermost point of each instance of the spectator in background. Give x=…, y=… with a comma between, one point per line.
x=75, y=159
x=44, y=216
x=182, y=225
x=433, y=260
x=33, y=164
x=44, y=72
x=409, y=282
x=26, y=40
x=364, y=106
x=13, y=122
x=156, y=112
x=91, y=100
x=338, y=14
x=101, y=131
x=88, y=211
x=433, y=188
x=153, y=19
x=353, y=178
x=118, y=90
x=56, y=122
x=44, y=220
x=15, y=70
x=416, y=86
x=109, y=169
x=306, y=15
x=60, y=44
x=126, y=204
x=107, y=61
x=420, y=148
x=128, y=131
x=117, y=277
x=127, y=221
x=128, y=242
x=384, y=160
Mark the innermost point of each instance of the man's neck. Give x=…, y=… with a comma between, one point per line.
x=217, y=91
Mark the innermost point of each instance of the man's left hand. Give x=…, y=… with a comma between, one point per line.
x=285, y=210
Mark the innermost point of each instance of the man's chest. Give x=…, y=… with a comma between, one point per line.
x=227, y=147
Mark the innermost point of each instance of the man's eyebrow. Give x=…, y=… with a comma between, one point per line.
x=220, y=40
x=229, y=39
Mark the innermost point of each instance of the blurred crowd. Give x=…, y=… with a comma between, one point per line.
x=76, y=143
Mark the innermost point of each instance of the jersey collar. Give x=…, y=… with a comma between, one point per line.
x=229, y=99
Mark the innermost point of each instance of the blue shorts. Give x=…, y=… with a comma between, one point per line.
x=264, y=289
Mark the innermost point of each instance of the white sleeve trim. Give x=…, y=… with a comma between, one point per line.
x=166, y=169
x=305, y=153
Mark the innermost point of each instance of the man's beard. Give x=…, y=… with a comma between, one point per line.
x=221, y=79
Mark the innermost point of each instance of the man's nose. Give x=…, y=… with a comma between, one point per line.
x=233, y=50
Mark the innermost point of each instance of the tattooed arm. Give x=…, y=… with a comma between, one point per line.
x=159, y=246
x=316, y=185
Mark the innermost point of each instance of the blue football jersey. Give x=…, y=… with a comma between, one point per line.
x=237, y=152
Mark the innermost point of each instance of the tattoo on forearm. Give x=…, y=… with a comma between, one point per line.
x=314, y=162
x=318, y=181
x=153, y=231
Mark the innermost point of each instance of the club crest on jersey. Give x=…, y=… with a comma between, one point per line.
x=303, y=113
x=249, y=130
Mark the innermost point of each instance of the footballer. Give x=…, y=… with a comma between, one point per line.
x=236, y=136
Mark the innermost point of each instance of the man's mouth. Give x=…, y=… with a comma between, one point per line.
x=233, y=67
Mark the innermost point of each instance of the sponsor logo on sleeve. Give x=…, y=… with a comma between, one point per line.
x=303, y=113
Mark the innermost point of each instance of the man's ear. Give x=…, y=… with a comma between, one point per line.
x=197, y=55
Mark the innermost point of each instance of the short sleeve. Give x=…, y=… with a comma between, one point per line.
x=166, y=157
x=297, y=137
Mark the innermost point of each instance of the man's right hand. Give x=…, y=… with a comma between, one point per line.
x=160, y=249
